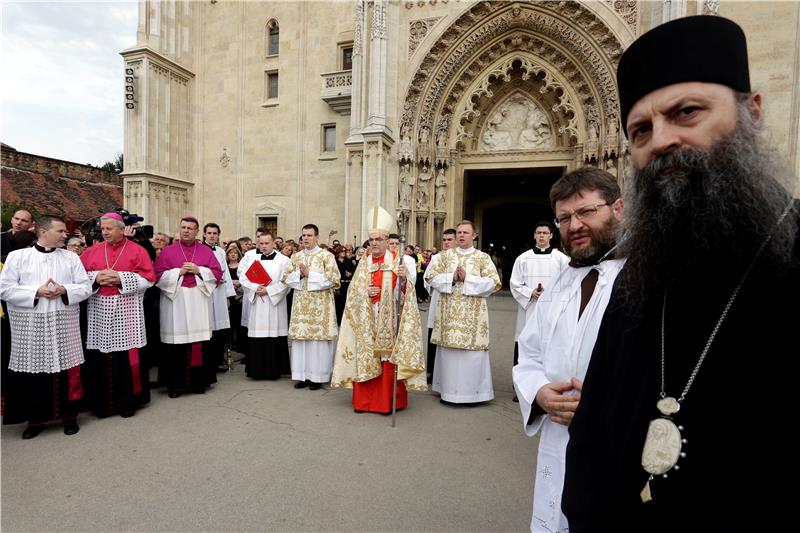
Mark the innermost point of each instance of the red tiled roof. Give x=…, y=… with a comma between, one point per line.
x=76, y=200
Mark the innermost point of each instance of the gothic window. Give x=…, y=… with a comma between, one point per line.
x=273, y=38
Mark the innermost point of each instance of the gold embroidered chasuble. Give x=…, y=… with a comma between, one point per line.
x=313, y=311
x=393, y=331
x=462, y=321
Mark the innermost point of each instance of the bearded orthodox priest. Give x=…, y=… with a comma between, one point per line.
x=381, y=327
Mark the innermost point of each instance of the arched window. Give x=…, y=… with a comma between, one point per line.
x=273, y=38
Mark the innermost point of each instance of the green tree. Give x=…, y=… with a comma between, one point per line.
x=116, y=165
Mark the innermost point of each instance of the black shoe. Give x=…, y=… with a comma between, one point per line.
x=301, y=385
x=199, y=391
x=222, y=368
x=515, y=399
x=315, y=386
x=71, y=426
x=32, y=431
x=154, y=385
x=127, y=414
x=174, y=394
x=354, y=410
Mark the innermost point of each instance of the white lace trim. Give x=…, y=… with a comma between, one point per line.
x=116, y=322
x=45, y=342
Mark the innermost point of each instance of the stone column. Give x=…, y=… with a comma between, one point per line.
x=356, y=109
x=438, y=228
x=422, y=225
x=378, y=53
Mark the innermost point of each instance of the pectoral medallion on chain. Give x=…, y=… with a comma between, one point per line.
x=663, y=444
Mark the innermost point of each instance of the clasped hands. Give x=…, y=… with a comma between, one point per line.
x=50, y=290
x=560, y=399
x=459, y=274
x=189, y=268
x=107, y=277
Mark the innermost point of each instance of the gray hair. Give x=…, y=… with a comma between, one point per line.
x=119, y=223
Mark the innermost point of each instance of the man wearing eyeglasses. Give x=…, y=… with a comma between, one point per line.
x=683, y=419
x=533, y=272
x=556, y=344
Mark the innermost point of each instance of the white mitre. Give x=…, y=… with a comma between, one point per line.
x=380, y=221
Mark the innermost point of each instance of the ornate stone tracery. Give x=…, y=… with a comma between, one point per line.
x=549, y=27
x=518, y=78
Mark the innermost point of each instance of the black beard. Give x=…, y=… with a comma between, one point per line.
x=603, y=241
x=694, y=215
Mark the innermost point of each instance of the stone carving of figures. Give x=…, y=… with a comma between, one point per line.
x=406, y=184
x=494, y=137
x=613, y=129
x=423, y=136
x=405, y=151
x=423, y=185
x=537, y=131
x=441, y=190
x=441, y=142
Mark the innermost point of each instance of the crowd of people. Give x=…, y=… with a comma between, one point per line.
x=645, y=348
x=84, y=326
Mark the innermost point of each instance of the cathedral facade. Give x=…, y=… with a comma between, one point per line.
x=280, y=114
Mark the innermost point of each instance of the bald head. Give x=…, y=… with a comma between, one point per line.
x=22, y=220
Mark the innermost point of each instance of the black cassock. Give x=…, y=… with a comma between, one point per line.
x=737, y=416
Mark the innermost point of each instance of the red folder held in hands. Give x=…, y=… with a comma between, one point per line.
x=258, y=274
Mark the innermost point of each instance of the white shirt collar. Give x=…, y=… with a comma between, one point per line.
x=467, y=251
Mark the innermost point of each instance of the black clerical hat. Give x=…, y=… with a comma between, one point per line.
x=702, y=48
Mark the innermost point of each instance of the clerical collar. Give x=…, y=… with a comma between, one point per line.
x=538, y=250
x=116, y=244
x=269, y=257
x=212, y=246
x=463, y=251
x=313, y=250
x=44, y=249
x=187, y=245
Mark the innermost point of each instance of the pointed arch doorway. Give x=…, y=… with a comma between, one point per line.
x=505, y=204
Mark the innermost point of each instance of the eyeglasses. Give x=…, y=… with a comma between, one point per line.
x=581, y=214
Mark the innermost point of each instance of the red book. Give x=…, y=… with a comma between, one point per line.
x=258, y=274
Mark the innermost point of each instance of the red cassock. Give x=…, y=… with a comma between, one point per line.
x=375, y=395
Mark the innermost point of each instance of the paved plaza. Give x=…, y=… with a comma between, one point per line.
x=262, y=456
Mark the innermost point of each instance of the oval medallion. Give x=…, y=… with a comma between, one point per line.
x=662, y=447
x=668, y=406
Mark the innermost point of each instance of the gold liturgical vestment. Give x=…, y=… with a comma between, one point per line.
x=364, y=338
x=462, y=322
x=313, y=312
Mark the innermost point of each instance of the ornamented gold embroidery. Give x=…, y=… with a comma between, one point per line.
x=365, y=338
x=313, y=312
x=462, y=322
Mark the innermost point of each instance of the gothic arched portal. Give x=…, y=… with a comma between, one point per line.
x=506, y=90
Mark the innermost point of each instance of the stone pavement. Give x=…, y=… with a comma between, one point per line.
x=262, y=456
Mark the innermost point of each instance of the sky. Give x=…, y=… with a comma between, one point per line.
x=61, y=85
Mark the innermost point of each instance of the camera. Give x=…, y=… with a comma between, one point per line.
x=93, y=233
